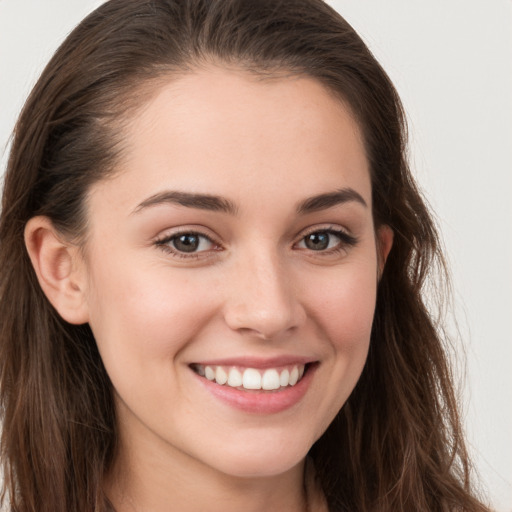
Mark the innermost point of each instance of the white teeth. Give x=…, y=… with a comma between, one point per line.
x=270, y=380
x=250, y=378
x=235, y=378
x=221, y=376
x=294, y=376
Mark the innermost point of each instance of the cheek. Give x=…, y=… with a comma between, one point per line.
x=344, y=305
x=142, y=314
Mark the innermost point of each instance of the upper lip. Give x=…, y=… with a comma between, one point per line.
x=257, y=362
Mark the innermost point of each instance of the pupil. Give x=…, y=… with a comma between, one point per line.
x=186, y=243
x=317, y=241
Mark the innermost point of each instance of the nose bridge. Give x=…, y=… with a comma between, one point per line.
x=262, y=296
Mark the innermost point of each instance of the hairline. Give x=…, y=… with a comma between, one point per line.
x=139, y=93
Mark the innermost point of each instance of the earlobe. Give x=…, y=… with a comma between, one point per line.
x=59, y=269
x=385, y=237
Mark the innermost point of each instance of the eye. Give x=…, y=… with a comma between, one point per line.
x=326, y=240
x=191, y=242
x=320, y=241
x=186, y=243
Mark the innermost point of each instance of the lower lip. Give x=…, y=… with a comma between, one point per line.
x=261, y=402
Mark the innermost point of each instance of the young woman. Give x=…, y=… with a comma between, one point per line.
x=212, y=257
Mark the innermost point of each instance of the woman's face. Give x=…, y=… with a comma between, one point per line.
x=236, y=242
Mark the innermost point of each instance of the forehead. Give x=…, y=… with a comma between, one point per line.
x=224, y=131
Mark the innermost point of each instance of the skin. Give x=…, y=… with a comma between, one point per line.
x=255, y=290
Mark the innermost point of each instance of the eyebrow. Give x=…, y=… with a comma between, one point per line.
x=200, y=201
x=220, y=204
x=330, y=199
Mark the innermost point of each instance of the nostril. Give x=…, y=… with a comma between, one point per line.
x=261, y=299
x=265, y=323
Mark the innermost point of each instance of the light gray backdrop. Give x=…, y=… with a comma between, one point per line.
x=452, y=64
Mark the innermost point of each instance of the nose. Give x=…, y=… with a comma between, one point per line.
x=263, y=300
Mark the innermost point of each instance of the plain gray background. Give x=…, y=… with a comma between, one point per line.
x=452, y=64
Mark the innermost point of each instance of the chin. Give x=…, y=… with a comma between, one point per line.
x=264, y=459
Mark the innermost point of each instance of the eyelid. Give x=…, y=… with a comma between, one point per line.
x=346, y=238
x=326, y=228
x=163, y=241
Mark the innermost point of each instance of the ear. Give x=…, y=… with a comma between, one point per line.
x=384, y=240
x=60, y=269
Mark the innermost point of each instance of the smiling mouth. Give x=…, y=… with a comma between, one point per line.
x=252, y=379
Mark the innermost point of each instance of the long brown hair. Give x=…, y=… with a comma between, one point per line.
x=397, y=444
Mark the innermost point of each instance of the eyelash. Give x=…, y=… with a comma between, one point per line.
x=346, y=241
x=164, y=243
